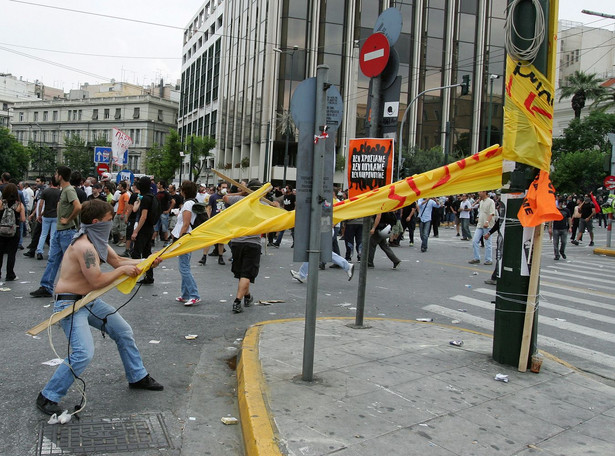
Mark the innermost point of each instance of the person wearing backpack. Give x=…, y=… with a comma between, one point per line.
x=185, y=223
x=12, y=213
x=149, y=213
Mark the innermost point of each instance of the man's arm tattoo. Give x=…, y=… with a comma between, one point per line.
x=90, y=258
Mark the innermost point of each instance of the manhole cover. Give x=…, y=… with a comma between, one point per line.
x=104, y=435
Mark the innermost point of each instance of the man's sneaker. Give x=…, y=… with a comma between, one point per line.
x=203, y=260
x=191, y=302
x=295, y=275
x=42, y=292
x=221, y=260
x=474, y=261
x=147, y=383
x=488, y=262
x=39, y=256
x=237, y=306
x=591, y=244
x=556, y=258
x=350, y=271
x=564, y=256
x=29, y=254
x=180, y=299
x=575, y=242
x=491, y=282
x=397, y=263
x=46, y=406
x=247, y=302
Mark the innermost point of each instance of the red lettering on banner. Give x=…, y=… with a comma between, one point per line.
x=509, y=87
x=475, y=157
x=492, y=153
x=461, y=163
x=415, y=189
x=395, y=196
x=445, y=179
x=528, y=105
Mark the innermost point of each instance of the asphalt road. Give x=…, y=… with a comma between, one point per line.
x=200, y=384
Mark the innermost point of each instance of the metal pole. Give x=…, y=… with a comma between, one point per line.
x=266, y=167
x=290, y=90
x=376, y=115
x=403, y=121
x=315, y=224
x=492, y=78
x=191, y=155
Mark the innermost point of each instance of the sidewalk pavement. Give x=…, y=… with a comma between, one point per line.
x=401, y=388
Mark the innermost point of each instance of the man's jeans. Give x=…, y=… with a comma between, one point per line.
x=424, y=228
x=189, y=287
x=59, y=243
x=559, y=242
x=465, y=228
x=479, y=233
x=48, y=227
x=335, y=258
x=77, y=327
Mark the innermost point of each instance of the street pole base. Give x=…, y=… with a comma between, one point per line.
x=355, y=326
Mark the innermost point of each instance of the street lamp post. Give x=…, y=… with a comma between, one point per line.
x=290, y=52
x=40, y=137
x=492, y=77
x=403, y=121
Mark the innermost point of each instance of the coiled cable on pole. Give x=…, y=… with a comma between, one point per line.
x=511, y=33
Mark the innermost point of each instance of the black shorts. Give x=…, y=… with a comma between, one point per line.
x=246, y=260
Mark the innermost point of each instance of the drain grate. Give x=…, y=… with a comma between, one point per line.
x=104, y=435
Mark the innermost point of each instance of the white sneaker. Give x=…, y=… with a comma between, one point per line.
x=296, y=276
x=191, y=302
x=350, y=271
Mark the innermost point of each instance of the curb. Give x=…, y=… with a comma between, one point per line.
x=604, y=251
x=260, y=434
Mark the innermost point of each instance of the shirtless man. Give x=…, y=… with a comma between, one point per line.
x=80, y=273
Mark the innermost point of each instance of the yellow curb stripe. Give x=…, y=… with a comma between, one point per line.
x=258, y=430
x=604, y=251
x=260, y=434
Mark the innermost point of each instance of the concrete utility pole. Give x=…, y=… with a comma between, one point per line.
x=516, y=315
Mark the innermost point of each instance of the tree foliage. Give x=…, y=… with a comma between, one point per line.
x=14, y=157
x=162, y=161
x=44, y=159
x=200, y=148
x=579, y=171
x=586, y=134
x=416, y=161
x=78, y=156
x=581, y=87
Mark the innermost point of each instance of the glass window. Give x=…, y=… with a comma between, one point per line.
x=94, y=114
x=435, y=23
x=467, y=31
x=434, y=52
x=333, y=39
x=335, y=11
x=296, y=9
x=45, y=115
x=55, y=115
x=468, y=6
x=35, y=116
x=136, y=113
x=21, y=117
x=118, y=113
x=107, y=113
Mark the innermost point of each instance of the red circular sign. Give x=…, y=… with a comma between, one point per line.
x=374, y=55
x=609, y=182
x=102, y=168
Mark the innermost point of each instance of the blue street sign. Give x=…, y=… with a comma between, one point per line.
x=102, y=154
x=125, y=175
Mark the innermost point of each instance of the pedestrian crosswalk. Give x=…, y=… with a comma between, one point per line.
x=576, y=312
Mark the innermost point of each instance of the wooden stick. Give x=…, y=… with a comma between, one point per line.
x=241, y=186
x=532, y=291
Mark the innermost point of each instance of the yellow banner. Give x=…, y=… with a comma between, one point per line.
x=482, y=171
x=528, y=116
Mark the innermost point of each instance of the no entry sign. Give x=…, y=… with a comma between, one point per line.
x=609, y=182
x=374, y=55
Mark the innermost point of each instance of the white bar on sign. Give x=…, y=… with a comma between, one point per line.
x=373, y=55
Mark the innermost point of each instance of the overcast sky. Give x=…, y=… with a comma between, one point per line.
x=32, y=36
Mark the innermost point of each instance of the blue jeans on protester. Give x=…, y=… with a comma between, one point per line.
x=48, y=227
x=478, y=234
x=189, y=287
x=59, y=243
x=77, y=327
x=424, y=228
x=335, y=258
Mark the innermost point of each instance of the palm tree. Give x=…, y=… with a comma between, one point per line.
x=605, y=101
x=581, y=86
